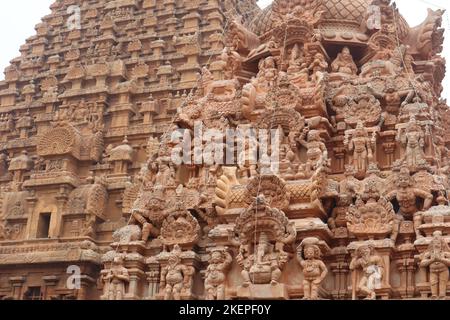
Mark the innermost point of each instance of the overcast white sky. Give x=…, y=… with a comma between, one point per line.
x=18, y=18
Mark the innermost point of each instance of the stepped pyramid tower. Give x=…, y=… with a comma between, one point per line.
x=347, y=198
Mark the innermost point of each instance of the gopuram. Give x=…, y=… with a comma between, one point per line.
x=94, y=204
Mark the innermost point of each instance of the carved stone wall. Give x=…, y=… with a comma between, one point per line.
x=355, y=204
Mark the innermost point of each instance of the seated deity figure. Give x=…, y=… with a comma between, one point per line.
x=116, y=278
x=314, y=270
x=406, y=194
x=262, y=266
x=298, y=68
x=267, y=73
x=372, y=271
x=339, y=213
x=344, y=63
x=437, y=260
x=286, y=156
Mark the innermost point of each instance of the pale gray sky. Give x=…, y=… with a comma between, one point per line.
x=19, y=17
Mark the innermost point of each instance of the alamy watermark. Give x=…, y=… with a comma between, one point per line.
x=74, y=280
x=74, y=20
x=374, y=17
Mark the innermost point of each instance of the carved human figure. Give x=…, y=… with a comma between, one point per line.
x=319, y=63
x=5, y=230
x=318, y=66
x=406, y=195
x=140, y=216
x=362, y=147
x=89, y=226
x=317, y=153
x=372, y=271
x=392, y=95
x=3, y=164
x=338, y=215
x=344, y=63
x=414, y=140
x=248, y=158
x=267, y=74
x=175, y=276
x=165, y=174
x=116, y=279
x=261, y=265
x=230, y=63
x=262, y=48
x=437, y=259
x=286, y=156
x=219, y=264
x=297, y=63
x=314, y=270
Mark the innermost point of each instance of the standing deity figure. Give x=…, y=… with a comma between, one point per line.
x=437, y=259
x=362, y=147
x=406, y=195
x=314, y=270
x=248, y=157
x=175, y=276
x=414, y=140
x=372, y=271
x=317, y=153
x=344, y=63
x=262, y=265
x=115, y=279
x=219, y=264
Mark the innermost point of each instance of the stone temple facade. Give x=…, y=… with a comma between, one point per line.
x=356, y=206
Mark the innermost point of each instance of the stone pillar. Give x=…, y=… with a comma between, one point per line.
x=17, y=287
x=150, y=109
x=85, y=282
x=215, y=20
x=31, y=200
x=153, y=282
x=158, y=48
x=340, y=269
x=339, y=156
x=410, y=278
x=50, y=284
x=389, y=149
x=149, y=4
x=61, y=200
x=169, y=6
